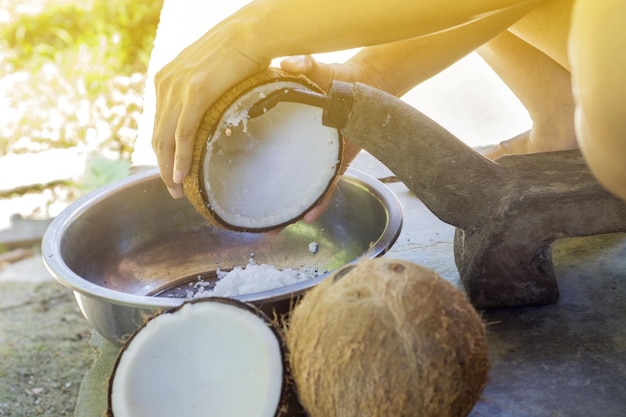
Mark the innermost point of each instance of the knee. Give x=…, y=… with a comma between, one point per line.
x=598, y=68
x=603, y=144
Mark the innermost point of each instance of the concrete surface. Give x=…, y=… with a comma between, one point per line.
x=561, y=360
x=44, y=350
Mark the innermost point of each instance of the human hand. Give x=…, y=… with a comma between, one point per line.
x=185, y=89
x=324, y=74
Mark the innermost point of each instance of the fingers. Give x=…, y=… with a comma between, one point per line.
x=175, y=151
x=185, y=137
x=174, y=133
x=185, y=89
x=298, y=63
x=321, y=207
x=320, y=73
x=164, y=146
x=350, y=151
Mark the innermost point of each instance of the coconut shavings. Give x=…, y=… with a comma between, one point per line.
x=235, y=117
x=251, y=278
x=314, y=247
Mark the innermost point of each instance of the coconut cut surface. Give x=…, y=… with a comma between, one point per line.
x=268, y=170
x=265, y=172
x=211, y=357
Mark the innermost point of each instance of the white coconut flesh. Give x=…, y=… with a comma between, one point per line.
x=205, y=359
x=269, y=170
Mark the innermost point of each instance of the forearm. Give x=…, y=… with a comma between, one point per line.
x=275, y=27
x=397, y=67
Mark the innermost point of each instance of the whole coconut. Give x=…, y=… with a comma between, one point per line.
x=385, y=338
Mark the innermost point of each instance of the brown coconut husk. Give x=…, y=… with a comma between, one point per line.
x=193, y=184
x=387, y=338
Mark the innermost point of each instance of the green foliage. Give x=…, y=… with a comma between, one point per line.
x=73, y=73
x=100, y=171
x=89, y=38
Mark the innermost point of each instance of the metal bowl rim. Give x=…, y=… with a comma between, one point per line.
x=51, y=244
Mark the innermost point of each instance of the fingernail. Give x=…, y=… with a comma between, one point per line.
x=178, y=176
x=296, y=59
x=175, y=193
x=300, y=61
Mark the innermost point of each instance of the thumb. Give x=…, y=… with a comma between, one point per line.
x=321, y=74
x=297, y=63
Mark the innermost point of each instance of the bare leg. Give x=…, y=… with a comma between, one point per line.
x=547, y=29
x=544, y=88
x=599, y=64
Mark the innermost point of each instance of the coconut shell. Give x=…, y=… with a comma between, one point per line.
x=193, y=184
x=288, y=404
x=387, y=338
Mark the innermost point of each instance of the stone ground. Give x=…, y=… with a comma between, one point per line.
x=44, y=349
x=43, y=337
x=43, y=343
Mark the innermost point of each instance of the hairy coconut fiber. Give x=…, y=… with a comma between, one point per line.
x=387, y=338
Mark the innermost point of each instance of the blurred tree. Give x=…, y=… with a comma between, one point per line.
x=119, y=33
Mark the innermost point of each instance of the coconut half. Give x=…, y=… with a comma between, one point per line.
x=266, y=172
x=216, y=357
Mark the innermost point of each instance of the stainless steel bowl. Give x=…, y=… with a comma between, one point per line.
x=125, y=249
